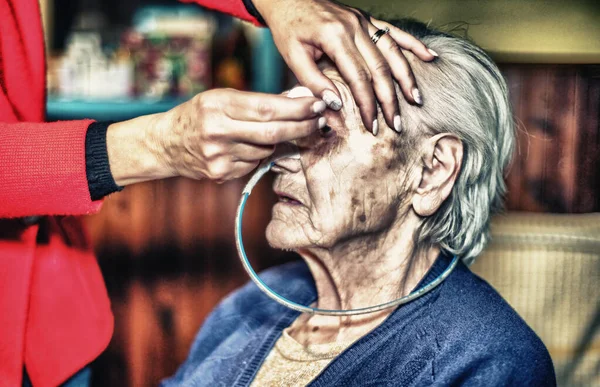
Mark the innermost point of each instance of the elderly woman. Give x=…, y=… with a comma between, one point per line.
x=375, y=218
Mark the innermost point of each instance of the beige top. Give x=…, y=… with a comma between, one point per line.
x=291, y=364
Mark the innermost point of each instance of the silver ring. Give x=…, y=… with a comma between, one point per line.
x=377, y=35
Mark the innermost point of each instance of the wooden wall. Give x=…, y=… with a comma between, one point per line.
x=556, y=168
x=167, y=250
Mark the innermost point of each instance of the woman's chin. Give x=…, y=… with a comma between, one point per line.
x=281, y=237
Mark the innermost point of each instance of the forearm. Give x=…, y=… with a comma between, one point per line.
x=43, y=169
x=219, y=135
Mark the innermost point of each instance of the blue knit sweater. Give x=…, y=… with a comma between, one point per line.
x=461, y=333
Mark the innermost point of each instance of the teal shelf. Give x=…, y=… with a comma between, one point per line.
x=106, y=110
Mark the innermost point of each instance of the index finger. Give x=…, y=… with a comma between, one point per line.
x=275, y=132
x=260, y=107
x=353, y=68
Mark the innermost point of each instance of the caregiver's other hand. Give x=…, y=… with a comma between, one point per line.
x=304, y=30
x=219, y=134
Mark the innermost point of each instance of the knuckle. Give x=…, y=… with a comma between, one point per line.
x=187, y=160
x=204, y=101
x=199, y=103
x=211, y=151
x=363, y=75
x=382, y=67
x=265, y=110
x=212, y=132
x=356, y=20
x=271, y=134
x=394, y=48
x=218, y=170
x=336, y=29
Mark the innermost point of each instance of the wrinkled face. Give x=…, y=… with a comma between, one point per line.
x=345, y=185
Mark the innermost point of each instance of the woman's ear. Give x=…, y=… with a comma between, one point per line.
x=442, y=159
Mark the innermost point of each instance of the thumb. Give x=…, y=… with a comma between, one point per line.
x=303, y=65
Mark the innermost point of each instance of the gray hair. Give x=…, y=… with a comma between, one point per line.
x=464, y=93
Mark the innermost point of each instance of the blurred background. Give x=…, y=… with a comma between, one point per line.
x=166, y=248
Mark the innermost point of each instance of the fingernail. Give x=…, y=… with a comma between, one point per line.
x=375, y=127
x=332, y=100
x=322, y=122
x=433, y=52
x=319, y=107
x=417, y=96
x=397, y=124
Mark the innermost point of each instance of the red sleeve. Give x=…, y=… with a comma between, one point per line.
x=231, y=7
x=42, y=169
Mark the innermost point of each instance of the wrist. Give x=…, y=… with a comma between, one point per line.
x=97, y=166
x=134, y=150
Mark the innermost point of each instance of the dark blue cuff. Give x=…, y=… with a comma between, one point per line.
x=97, y=168
x=253, y=11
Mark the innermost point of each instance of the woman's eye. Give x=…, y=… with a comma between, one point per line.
x=326, y=131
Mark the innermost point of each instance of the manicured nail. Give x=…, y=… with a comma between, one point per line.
x=375, y=127
x=417, y=96
x=433, y=52
x=322, y=122
x=397, y=124
x=319, y=107
x=332, y=100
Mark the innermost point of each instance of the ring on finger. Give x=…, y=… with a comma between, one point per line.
x=377, y=35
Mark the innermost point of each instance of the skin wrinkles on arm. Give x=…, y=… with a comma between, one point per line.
x=223, y=134
x=219, y=134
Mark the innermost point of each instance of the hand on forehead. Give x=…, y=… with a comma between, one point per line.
x=349, y=116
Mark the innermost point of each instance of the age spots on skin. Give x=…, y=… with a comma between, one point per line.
x=378, y=148
x=355, y=203
x=322, y=146
x=332, y=194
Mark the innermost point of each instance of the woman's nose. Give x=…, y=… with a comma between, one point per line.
x=286, y=158
x=287, y=164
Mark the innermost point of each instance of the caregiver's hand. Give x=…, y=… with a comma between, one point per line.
x=305, y=30
x=220, y=134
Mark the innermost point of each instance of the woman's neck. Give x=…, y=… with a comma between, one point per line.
x=362, y=272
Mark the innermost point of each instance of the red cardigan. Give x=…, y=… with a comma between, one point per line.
x=55, y=314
